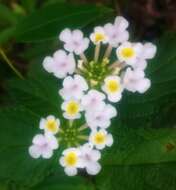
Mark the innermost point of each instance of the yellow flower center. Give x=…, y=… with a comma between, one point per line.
x=71, y=159
x=113, y=86
x=72, y=108
x=99, y=138
x=127, y=52
x=99, y=37
x=52, y=126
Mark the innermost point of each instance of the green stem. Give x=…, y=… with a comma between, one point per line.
x=70, y=123
x=10, y=64
x=108, y=51
x=83, y=137
x=83, y=127
x=97, y=52
x=84, y=58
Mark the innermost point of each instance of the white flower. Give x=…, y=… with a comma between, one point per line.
x=90, y=159
x=121, y=23
x=74, y=41
x=140, y=64
x=43, y=145
x=148, y=52
x=134, y=80
x=73, y=87
x=100, y=139
x=117, y=32
x=100, y=118
x=50, y=124
x=113, y=88
x=129, y=52
x=72, y=109
x=98, y=35
x=60, y=64
x=71, y=161
x=93, y=100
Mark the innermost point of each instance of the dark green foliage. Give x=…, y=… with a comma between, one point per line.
x=144, y=151
x=49, y=21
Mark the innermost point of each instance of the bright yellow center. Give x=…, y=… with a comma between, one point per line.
x=113, y=86
x=72, y=108
x=127, y=52
x=51, y=125
x=71, y=159
x=99, y=138
x=99, y=37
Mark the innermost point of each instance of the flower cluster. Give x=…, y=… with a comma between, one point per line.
x=90, y=86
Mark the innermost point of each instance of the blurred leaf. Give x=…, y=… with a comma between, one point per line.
x=6, y=34
x=18, y=9
x=143, y=177
x=48, y=2
x=15, y=163
x=49, y=21
x=28, y=5
x=60, y=181
x=140, y=146
x=36, y=95
x=7, y=14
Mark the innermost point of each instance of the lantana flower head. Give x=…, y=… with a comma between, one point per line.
x=91, y=87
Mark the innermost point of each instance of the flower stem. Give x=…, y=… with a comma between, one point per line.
x=97, y=52
x=70, y=123
x=108, y=51
x=83, y=127
x=83, y=137
x=10, y=64
x=84, y=58
x=115, y=65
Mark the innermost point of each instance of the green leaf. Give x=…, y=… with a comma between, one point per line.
x=143, y=177
x=6, y=34
x=38, y=93
x=59, y=181
x=7, y=15
x=49, y=21
x=140, y=146
x=18, y=126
